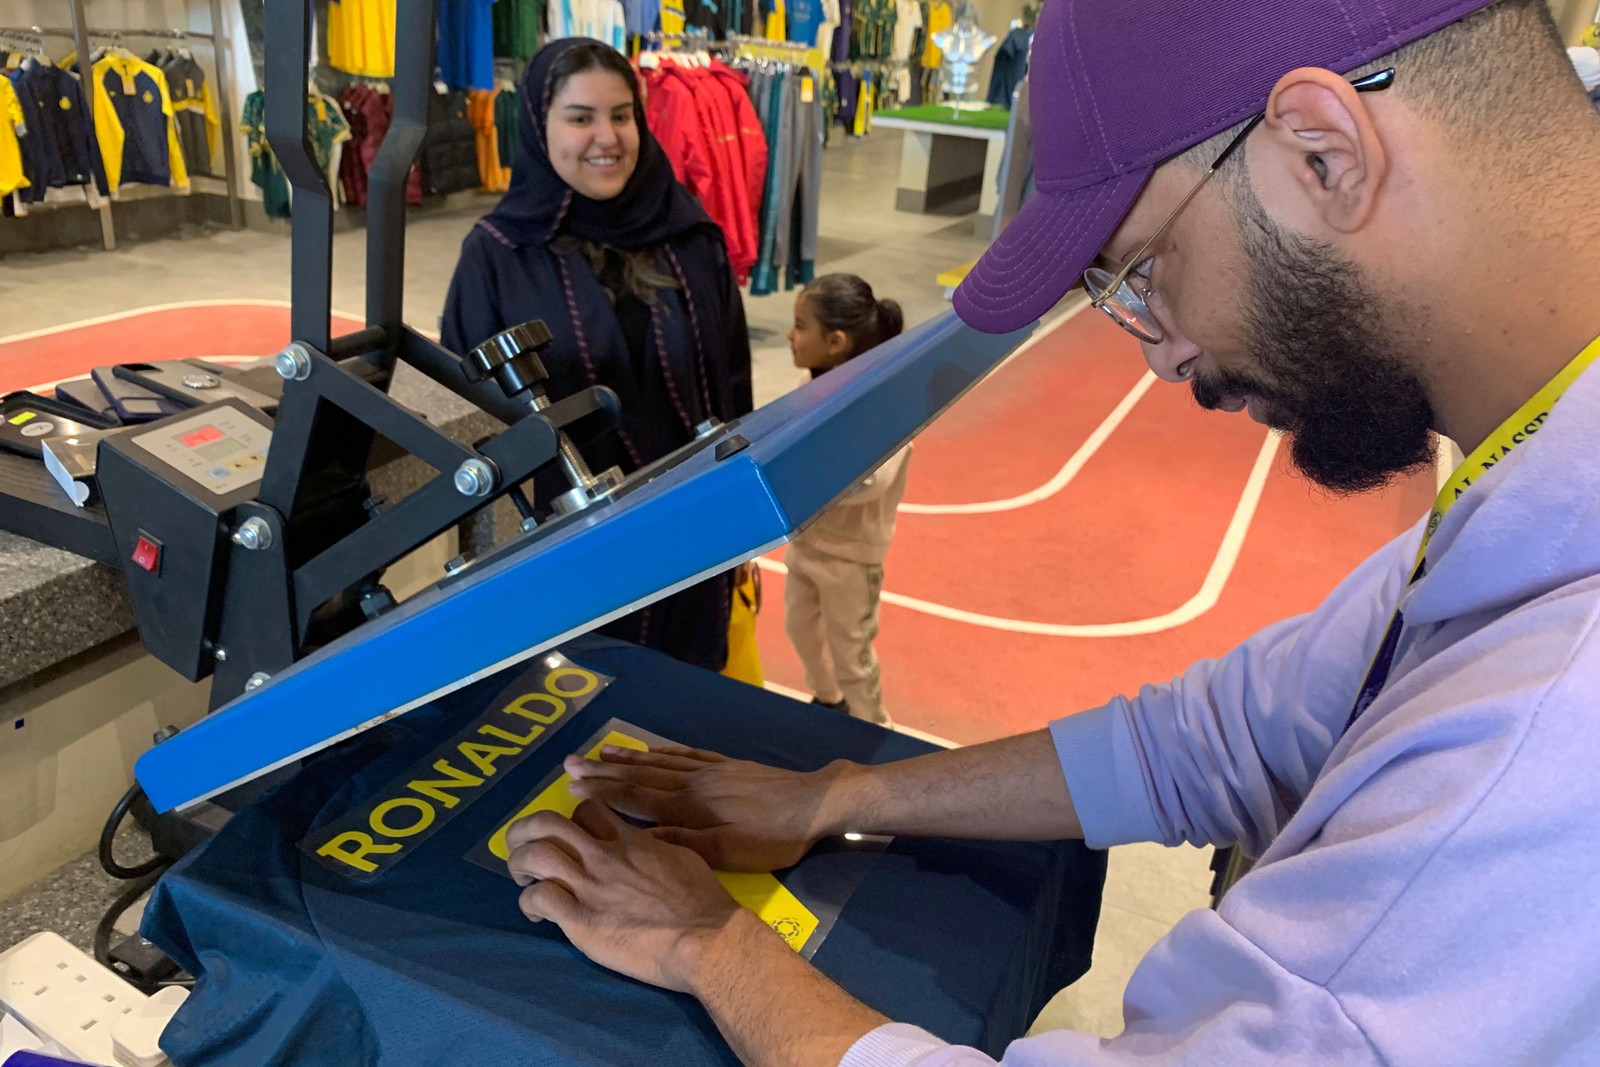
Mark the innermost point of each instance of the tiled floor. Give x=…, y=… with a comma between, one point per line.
x=899, y=254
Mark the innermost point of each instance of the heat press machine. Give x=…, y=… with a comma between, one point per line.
x=254, y=550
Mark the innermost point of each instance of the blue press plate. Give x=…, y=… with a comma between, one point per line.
x=697, y=518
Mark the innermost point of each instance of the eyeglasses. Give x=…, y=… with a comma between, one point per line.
x=1126, y=295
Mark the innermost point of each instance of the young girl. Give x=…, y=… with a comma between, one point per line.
x=836, y=565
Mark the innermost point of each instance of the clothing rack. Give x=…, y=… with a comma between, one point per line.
x=81, y=34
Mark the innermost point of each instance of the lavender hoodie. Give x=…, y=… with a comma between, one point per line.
x=1428, y=890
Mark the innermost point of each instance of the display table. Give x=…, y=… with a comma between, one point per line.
x=950, y=160
x=430, y=963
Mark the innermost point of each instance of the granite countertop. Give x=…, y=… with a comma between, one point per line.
x=57, y=605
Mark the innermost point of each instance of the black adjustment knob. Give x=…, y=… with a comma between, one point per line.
x=511, y=358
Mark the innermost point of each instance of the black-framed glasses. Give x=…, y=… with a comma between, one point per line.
x=1125, y=295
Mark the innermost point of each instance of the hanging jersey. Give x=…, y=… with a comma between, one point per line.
x=466, y=43
x=195, y=112
x=643, y=16
x=940, y=18
x=134, y=123
x=327, y=129
x=866, y=100
x=805, y=20
x=508, y=131
x=672, y=17
x=265, y=172
x=603, y=20
x=516, y=27
x=708, y=15
x=361, y=37
x=13, y=127
x=777, y=21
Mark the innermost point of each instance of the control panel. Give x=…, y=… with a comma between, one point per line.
x=220, y=449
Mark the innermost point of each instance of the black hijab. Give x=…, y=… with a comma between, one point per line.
x=652, y=208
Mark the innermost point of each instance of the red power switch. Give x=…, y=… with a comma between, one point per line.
x=147, y=553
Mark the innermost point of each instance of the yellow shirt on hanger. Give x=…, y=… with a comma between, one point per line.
x=11, y=128
x=361, y=37
x=672, y=16
x=778, y=22
x=940, y=18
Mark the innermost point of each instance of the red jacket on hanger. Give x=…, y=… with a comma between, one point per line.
x=732, y=192
x=752, y=141
x=673, y=118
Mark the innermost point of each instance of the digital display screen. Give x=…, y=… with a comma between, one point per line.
x=216, y=450
x=203, y=436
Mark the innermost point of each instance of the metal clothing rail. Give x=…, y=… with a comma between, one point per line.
x=117, y=34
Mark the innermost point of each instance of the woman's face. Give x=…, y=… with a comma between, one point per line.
x=594, y=142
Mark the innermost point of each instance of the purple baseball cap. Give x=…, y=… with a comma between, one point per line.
x=1118, y=88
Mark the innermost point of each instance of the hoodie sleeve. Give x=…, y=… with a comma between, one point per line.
x=1225, y=752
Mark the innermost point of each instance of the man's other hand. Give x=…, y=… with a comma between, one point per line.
x=739, y=816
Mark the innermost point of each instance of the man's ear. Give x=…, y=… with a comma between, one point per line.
x=1319, y=131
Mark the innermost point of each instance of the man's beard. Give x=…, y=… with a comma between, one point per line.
x=1320, y=370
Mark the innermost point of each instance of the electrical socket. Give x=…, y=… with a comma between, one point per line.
x=60, y=993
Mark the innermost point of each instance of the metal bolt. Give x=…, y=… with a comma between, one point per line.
x=294, y=363
x=253, y=534
x=456, y=565
x=707, y=428
x=257, y=680
x=529, y=524
x=474, y=478
x=220, y=655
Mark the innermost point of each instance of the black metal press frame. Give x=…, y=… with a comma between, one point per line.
x=317, y=541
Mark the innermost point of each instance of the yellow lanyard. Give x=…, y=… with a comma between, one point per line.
x=1523, y=424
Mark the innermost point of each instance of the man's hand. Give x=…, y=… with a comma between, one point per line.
x=628, y=901
x=743, y=816
x=739, y=816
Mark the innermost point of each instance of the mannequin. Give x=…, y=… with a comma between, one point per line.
x=963, y=46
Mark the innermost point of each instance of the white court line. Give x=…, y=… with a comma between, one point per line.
x=1073, y=465
x=181, y=305
x=1203, y=601
x=899, y=728
x=1062, y=477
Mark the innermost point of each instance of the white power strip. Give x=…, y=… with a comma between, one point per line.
x=60, y=993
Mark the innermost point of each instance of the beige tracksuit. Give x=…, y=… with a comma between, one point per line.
x=835, y=579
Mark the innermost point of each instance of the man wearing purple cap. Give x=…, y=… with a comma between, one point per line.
x=1366, y=222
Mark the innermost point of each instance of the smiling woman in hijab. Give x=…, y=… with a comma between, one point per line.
x=597, y=238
